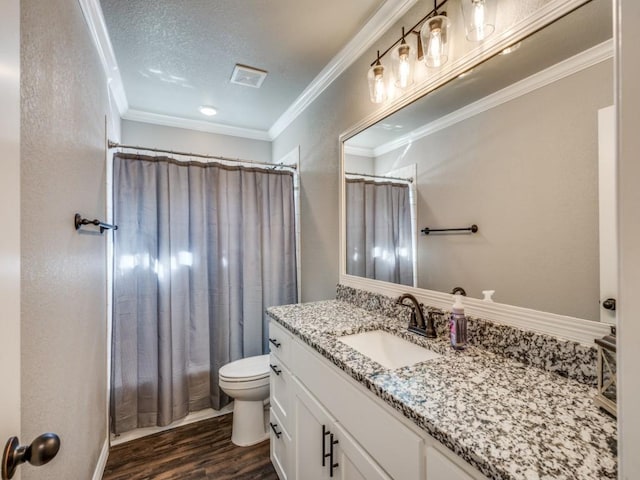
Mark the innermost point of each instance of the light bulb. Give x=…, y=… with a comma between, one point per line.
x=434, y=41
x=403, y=58
x=435, y=47
x=404, y=66
x=377, y=87
x=478, y=18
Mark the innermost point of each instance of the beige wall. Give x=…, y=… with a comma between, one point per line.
x=527, y=173
x=184, y=140
x=316, y=130
x=64, y=354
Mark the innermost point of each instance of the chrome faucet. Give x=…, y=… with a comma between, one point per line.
x=417, y=324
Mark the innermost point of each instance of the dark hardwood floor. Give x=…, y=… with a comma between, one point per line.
x=200, y=451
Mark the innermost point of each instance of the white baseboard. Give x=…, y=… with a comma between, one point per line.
x=102, y=460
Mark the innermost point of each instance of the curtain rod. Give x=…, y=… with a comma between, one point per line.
x=112, y=144
x=410, y=180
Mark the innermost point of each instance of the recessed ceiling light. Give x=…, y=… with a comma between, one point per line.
x=465, y=74
x=207, y=110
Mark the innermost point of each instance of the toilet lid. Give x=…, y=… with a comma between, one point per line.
x=246, y=369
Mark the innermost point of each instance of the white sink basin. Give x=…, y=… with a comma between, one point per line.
x=388, y=350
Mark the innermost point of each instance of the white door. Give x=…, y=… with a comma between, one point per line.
x=9, y=220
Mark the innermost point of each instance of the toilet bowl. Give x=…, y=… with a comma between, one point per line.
x=247, y=382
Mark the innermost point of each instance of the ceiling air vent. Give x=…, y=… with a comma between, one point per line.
x=248, y=76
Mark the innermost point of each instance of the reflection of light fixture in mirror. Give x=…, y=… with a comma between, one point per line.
x=479, y=18
x=403, y=58
x=434, y=35
x=511, y=49
x=377, y=88
x=466, y=74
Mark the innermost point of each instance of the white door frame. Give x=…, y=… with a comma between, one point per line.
x=10, y=220
x=627, y=73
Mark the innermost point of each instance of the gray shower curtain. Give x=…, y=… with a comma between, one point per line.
x=201, y=250
x=379, y=233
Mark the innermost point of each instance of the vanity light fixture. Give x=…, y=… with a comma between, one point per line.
x=432, y=44
x=479, y=19
x=377, y=87
x=403, y=59
x=207, y=110
x=433, y=36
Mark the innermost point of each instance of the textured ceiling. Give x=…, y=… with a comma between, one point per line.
x=175, y=55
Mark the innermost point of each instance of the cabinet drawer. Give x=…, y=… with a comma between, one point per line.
x=281, y=390
x=281, y=450
x=373, y=427
x=280, y=342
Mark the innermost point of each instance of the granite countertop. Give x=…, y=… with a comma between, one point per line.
x=510, y=420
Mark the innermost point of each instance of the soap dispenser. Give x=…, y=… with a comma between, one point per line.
x=458, y=325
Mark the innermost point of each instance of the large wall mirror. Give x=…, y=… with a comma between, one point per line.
x=511, y=146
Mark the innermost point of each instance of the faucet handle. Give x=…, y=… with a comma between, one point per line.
x=413, y=322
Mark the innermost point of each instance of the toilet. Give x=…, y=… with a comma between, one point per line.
x=247, y=382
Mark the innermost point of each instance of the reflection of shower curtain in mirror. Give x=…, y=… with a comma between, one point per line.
x=378, y=231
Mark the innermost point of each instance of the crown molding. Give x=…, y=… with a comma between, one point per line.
x=359, y=151
x=559, y=326
x=390, y=12
x=189, y=124
x=570, y=66
x=94, y=18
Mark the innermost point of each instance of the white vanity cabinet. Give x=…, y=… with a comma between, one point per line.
x=322, y=417
x=324, y=449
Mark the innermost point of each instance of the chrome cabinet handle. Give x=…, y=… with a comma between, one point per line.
x=275, y=369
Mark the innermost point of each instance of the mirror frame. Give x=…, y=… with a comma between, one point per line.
x=565, y=327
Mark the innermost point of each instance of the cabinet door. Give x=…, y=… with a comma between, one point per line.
x=353, y=463
x=325, y=450
x=281, y=450
x=440, y=467
x=312, y=433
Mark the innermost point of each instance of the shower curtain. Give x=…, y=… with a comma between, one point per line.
x=201, y=250
x=379, y=233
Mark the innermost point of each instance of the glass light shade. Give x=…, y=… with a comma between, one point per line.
x=403, y=59
x=377, y=87
x=479, y=18
x=434, y=35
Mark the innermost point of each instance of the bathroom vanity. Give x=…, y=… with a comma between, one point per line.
x=459, y=416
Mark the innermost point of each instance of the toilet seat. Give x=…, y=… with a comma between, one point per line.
x=246, y=370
